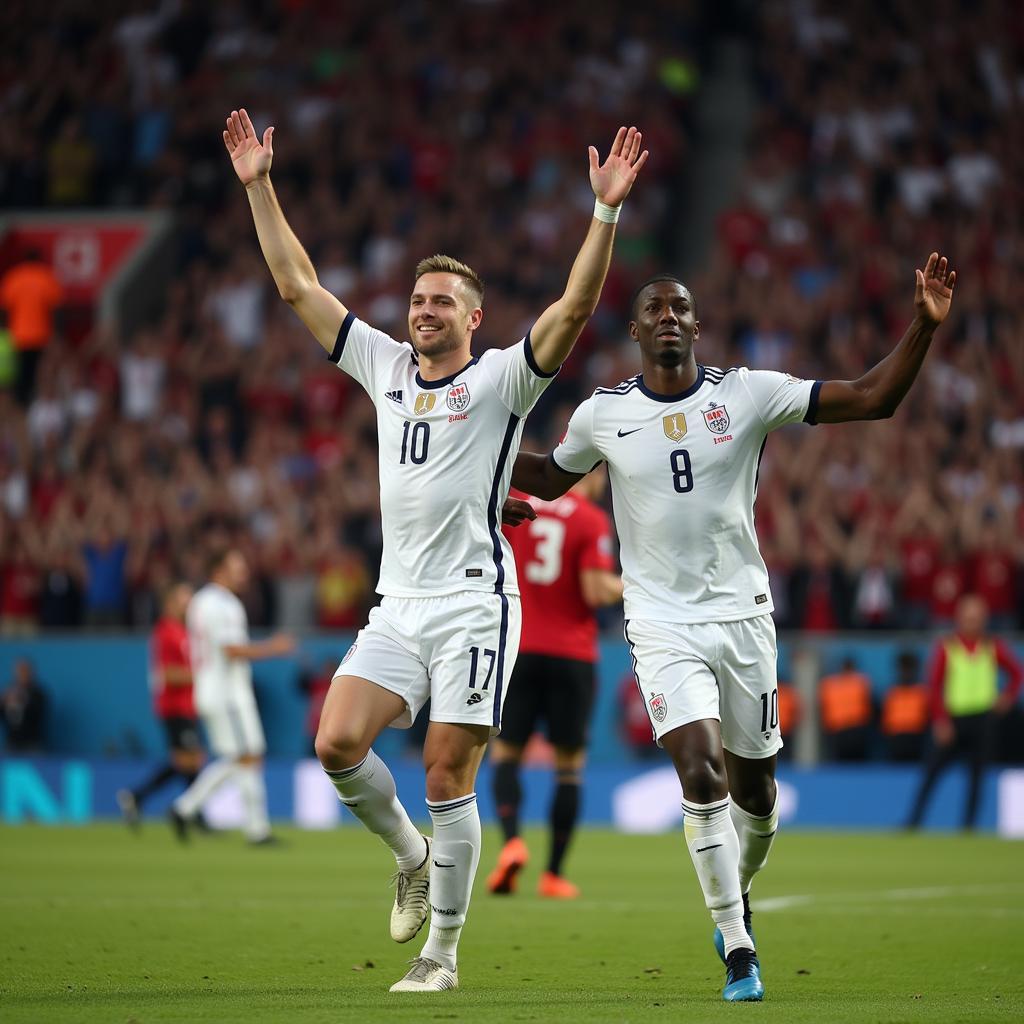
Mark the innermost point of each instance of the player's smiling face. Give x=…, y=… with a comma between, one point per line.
x=442, y=314
x=666, y=324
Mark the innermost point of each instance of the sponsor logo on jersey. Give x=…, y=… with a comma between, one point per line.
x=716, y=418
x=475, y=698
x=675, y=426
x=659, y=706
x=458, y=397
x=626, y=433
x=761, y=599
x=395, y=396
x=424, y=403
x=456, y=417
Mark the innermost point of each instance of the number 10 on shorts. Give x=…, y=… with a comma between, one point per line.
x=474, y=664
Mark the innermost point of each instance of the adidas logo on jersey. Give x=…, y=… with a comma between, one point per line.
x=395, y=396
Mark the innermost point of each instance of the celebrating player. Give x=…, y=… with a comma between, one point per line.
x=566, y=571
x=683, y=444
x=218, y=633
x=171, y=682
x=448, y=625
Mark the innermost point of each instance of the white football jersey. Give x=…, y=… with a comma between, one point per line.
x=683, y=471
x=446, y=450
x=215, y=619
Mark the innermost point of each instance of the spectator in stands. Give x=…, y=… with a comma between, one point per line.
x=965, y=698
x=847, y=712
x=905, y=711
x=29, y=295
x=23, y=705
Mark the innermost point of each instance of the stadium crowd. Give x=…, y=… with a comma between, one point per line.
x=877, y=138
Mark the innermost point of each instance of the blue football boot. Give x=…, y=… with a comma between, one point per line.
x=743, y=978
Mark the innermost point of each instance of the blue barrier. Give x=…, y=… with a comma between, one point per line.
x=632, y=798
x=100, y=704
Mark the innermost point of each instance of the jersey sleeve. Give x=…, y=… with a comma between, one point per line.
x=361, y=350
x=780, y=399
x=577, y=452
x=516, y=377
x=596, y=550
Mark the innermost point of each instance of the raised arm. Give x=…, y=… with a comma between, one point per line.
x=538, y=475
x=555, y=333
x=876, y=395
x=293, y=271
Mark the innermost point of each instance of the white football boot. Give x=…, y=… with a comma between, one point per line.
x=412, y=900
x=427, y=976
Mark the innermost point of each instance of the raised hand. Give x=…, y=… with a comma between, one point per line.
x=934, y=291
x=250, y=158
x=612, y=180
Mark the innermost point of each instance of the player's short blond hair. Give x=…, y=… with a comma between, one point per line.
x=441, y=264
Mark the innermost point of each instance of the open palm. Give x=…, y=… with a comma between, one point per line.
x=934, y=292
x=250, y=158
x=612, y=180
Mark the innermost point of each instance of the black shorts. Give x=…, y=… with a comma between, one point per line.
x=557, y=691
x=182, y=734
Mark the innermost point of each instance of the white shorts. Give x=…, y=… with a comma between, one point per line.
x=233, y=728
x=458, y=650
x=721, y=670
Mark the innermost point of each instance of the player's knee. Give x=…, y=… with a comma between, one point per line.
x=704, y=780
x=447, y=780
x=338, y=747
x=755, y=795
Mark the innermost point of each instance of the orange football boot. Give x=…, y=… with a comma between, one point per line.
x=555, y=887
x=512, y=859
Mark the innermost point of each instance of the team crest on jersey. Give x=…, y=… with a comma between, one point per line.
x=675, y=426
x=716, y=418
x=424, y=403
x=458, y=397
x=659, y=707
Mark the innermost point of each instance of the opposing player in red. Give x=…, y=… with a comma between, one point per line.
x=566, y=571
x=171, y=683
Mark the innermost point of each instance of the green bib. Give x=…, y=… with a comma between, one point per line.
x=972, y=680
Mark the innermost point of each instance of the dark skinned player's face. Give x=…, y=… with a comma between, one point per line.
x=666, y=324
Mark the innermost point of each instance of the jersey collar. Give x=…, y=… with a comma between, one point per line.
x=691, y=390
x=420, y=382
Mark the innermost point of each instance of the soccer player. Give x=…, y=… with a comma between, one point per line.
x=171, y=682
x=221, y=652
x=447, y=627
x=683, y=444
x=566, y=571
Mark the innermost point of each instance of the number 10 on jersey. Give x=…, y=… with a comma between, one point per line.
x=415, y=442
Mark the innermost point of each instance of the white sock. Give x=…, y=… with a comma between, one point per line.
x=368, y=791
x=210, y=779
x=715, y=852
x=756, y=836
x=454, y=856
x=254, y=796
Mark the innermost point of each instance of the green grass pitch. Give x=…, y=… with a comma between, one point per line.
x=97, y=924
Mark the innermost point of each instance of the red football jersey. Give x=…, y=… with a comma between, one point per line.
x=169, y=648
x=569, y=534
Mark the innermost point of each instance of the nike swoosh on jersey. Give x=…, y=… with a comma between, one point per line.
x=626, y=433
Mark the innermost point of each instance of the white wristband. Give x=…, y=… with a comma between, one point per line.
x=606, y=213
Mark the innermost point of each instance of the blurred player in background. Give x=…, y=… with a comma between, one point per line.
x=683, y=444
x=963, y=683
x=566, y=571
x=448, y=625
x=221, y=652
x=171, y=683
